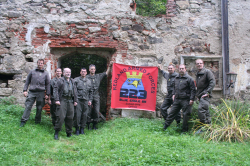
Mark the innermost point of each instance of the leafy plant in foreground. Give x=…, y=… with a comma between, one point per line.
x=230, y=123
x=8, y=100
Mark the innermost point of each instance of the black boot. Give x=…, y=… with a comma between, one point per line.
x=81, y=130
x=56, y=135
x=69, y=134
x=178, y=124
x=88, y=124
x=22, y=124
x=95, y=126
x=77, y=131
x=184, y=129
x=165, y=126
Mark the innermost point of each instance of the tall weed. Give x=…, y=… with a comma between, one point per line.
x=230, y=122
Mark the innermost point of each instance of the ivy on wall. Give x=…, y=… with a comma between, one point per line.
x=150, y=7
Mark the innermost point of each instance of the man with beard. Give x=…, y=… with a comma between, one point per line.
x=205, y=83
x=66, y=99
x=38, y=82
x=183, y=97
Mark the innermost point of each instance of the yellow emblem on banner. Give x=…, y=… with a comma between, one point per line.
x=133, y=75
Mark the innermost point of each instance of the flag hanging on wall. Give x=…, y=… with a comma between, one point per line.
x=134, y=87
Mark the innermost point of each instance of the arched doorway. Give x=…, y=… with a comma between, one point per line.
x=96, y=56
x=75, y=61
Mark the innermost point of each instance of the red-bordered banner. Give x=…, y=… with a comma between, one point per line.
x=134, y=87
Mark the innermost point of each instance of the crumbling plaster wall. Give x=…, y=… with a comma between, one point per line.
x=239, y=41
x=30, y=29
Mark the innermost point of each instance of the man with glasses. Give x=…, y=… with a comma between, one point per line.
x=205, y=83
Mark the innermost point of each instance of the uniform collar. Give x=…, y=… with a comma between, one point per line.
x=83, y=79
x=202, y=71
x=37, y=69
x=185, y=75
x=174, y=74
x=66, y=79
x=91, y=76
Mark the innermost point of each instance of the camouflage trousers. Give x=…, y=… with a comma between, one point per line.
x=164, y=109
x=203, y=110
x=177, y=106
x=81, y=113
x=65, y=113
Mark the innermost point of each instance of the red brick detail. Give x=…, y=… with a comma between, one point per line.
x=73, y=38
x=47, y=109
x=170, y=10
x=133, y=6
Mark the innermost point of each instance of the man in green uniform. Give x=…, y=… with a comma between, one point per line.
x=183, y=97
x=95, y=80
x=205, y=83
x=52, y=103
x=84, y=95
x=66, y=98
x=38, y=82
x=168, y=101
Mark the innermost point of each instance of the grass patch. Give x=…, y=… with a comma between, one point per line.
x=117, y=142
x=8, y=100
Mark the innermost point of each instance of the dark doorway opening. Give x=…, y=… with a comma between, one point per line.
x=5, y=77
x=76, y=61
x=29, y=59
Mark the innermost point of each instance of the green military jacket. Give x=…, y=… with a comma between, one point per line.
x=184, y=87
x=205, y=82
x=83, y=87
x=95, y=82
x=53, y=82
x=170, y=82
x=59, y=89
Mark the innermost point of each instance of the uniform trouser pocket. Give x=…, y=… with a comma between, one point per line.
x=203, y=110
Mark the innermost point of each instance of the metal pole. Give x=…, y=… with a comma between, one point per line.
x=225, y=43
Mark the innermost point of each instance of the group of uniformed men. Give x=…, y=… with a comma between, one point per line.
x=182, y=92
x=64, y=93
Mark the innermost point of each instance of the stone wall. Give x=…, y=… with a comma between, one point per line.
x=239, y=41
x=51, y=29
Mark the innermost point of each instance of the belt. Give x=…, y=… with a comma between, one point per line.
x=67, y=97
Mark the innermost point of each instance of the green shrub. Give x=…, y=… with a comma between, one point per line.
x=150, y=7
x=8, y=100
x=230, y=122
